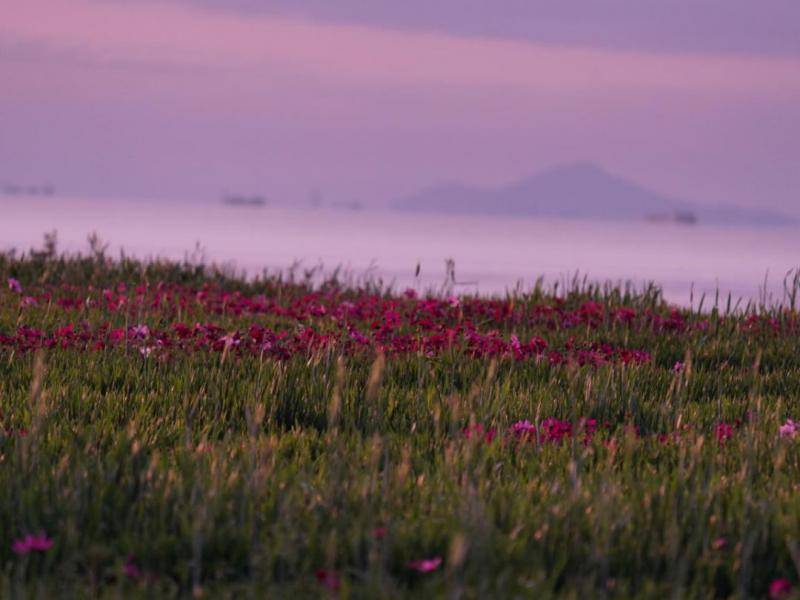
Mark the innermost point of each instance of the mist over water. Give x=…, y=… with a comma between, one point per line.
x=491, y=255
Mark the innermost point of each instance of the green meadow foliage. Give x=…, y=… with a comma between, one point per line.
x=170, y=429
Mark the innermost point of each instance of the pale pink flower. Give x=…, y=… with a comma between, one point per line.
x=14, y=285
x=720, y=543
x=230, y=340
x=522, y=428
x=426, y=565
x=789, y=429
x=140, y=331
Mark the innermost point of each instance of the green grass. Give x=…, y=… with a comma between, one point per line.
x=238, y=475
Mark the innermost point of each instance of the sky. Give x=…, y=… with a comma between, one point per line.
x=370, y=100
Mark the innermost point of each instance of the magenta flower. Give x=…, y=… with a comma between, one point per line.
x=329, y=579
x=14, y=285
x=724, y=432
x=554, y=430
x=479, y=431
x=426, y=565
x=677, y=367
x=131, y=569
x=32, y=543
x=780, y=588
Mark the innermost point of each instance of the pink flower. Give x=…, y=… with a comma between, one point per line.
x=32, y=543
x=589, y=428
x=426, y=565
x=554, y=430
x=677, y=367
x=454, y=301
x=139, y=331
x=522, y=428
x=479, y=431
x=720, y=543
x=230, y=340
x=329, y=579
x=14, y=285
x=131, y=569
x=789, y=429
x=780, y=588
x=358, y=337
x=626, y=314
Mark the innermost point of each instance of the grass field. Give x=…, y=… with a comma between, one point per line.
x=170, y=430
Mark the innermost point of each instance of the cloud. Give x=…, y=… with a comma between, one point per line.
x=722, y=26
x=271, y=46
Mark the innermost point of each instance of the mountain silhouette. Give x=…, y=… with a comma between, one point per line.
x=578, y=191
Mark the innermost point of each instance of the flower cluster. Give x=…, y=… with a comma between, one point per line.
x=554, y=431
x=299, y=322
x=32, y=543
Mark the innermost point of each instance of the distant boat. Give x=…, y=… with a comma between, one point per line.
x=682, y=217
x=244, y=200
x=13, y=189
x=686, y=217
x=354, y=205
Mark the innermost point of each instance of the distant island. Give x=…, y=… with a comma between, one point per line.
x=581, y=191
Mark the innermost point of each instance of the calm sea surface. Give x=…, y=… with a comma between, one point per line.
x=490, y=254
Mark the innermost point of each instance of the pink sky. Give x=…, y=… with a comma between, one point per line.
x=173, y=99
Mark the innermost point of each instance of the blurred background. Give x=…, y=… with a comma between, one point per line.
x=622, y=139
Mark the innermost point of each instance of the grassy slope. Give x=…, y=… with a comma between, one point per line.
x=248, y=474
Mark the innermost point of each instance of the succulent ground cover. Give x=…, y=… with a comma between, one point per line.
x=170, y=429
